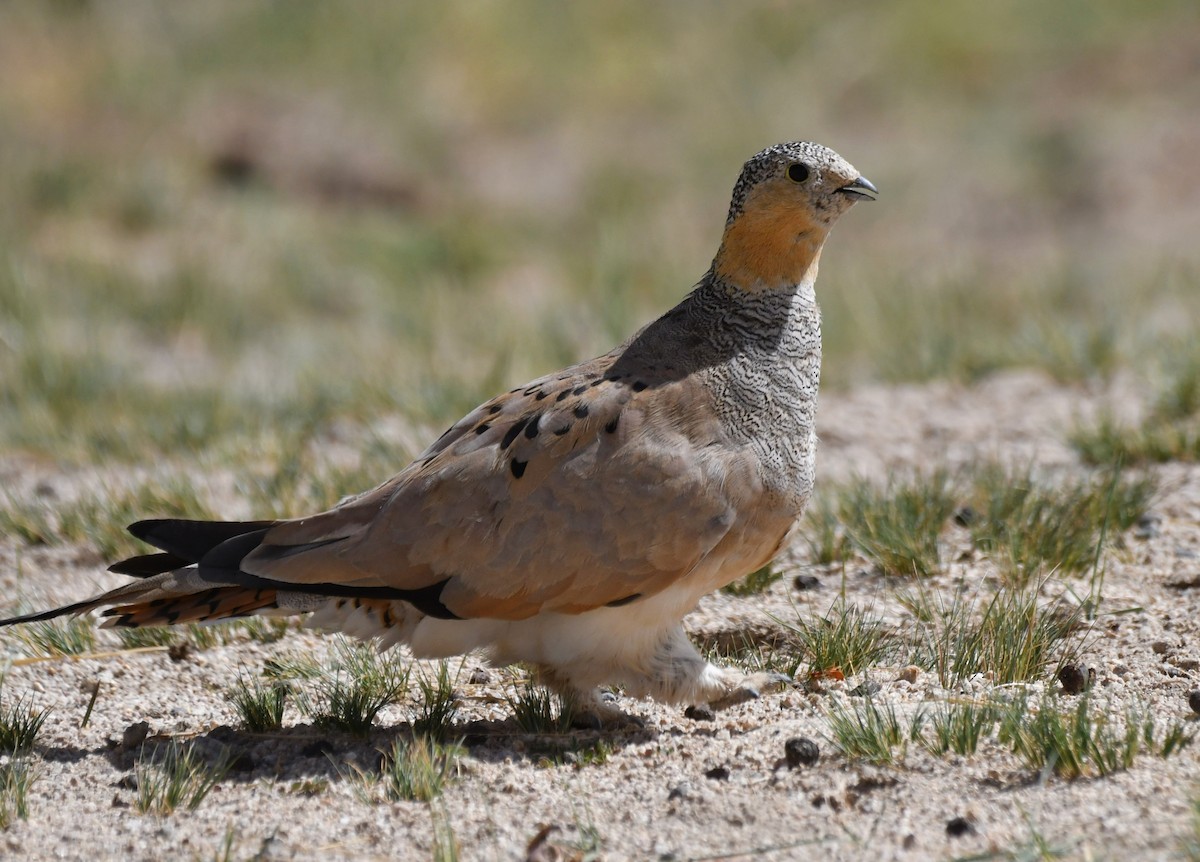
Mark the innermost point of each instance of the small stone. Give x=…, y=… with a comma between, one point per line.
x=1187, y=663
x=718, y=773
x=179, y=651
x=135, y=735
x=1074, y=678
x=965, y=516
x=1194, y=700
x=679, y=791
x=909, y=674
x=801, y=751
x=910, y=841
x=1120, y=670
x=806, y=582
x=1147, y=527
x=1160, y=647
x=865, y=689
x=700, y=712
x=958, y=827
x=479, y=676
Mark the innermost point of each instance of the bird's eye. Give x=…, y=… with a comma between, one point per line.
x=797, y=173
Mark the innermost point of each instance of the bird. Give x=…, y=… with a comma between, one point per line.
x=570, y=523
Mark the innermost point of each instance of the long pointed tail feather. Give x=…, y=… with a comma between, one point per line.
x=197, y=576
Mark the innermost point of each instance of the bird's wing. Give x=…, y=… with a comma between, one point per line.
x=582, y=489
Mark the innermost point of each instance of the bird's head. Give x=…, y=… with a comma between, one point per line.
x=784, y=204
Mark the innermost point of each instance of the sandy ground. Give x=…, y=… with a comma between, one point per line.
x=677, y=789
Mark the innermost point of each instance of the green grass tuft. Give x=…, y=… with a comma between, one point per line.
x=958, y=727
x=19, y=723
x=897, y=526
x=538, y=710
x=438, y=707
x=868, y=731
x=822, y=531
x=259, y=707
x=414, y=770
x=1030, y=528
x=175, y=776
x=148, y=636
x=17, y=777
x=758, y=581
x=70, y=636
x=1169, y=432
x=1086, y=740
x=845, y=638
x=354, y=688
x=1011, y=638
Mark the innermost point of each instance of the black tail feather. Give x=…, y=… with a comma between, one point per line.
x=191, y=540
x=148, y=565
x=42, y=616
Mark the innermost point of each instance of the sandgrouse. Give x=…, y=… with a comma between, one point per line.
x=572, y=522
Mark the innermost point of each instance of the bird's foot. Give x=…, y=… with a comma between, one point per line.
x=599, y=711
x=751, y=687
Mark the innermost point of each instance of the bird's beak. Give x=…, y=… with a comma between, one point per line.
x=861, y=189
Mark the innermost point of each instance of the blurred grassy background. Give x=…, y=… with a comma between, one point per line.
x=239, y=218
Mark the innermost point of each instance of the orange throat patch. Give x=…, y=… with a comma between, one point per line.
x=770, y=247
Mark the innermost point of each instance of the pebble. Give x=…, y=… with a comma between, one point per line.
x=801, y=751
x=1194, y=700
x=1147, y=527
x=135, y=735
x=965, y=516
x=680, y=791
x=1074, y=678
x=865, y=689
x=1160, y=647
x=179, y=651
x=806, y=582
x=700, y=713
x=956, y=827
x=718, y=773
x=909, y=674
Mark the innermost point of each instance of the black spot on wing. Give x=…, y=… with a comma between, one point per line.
x=611, y=427
x=616, y=603
x=518, y=468
x=531, y=429
x=581, y=411
x=513, y=432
